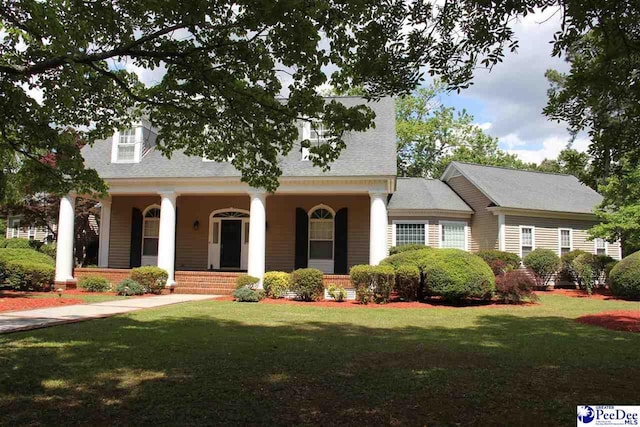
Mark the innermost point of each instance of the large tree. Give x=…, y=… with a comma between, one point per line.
x=600, y=95
x=432, y=135
x=225, y=65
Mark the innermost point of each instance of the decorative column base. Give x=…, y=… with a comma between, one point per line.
x=65, y=284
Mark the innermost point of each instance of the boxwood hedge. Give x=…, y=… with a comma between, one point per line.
x=625, y=277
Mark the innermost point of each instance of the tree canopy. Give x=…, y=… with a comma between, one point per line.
x=226, y=65
x=432, y=135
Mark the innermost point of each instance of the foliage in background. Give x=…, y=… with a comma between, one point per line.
x=499, y=261
x=431, y=135
x=404, y=248
x=625, y=278
x=26, y=269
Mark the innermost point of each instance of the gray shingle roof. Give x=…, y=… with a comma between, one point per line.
x=370, y=153
x=431, y=194
x=518, y=189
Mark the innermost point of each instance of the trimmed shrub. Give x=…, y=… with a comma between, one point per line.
x=407, y=282
x=246, y=281
x=129, y=287
x=246, y=294
x=544, y=263
x=49, y=249
x=514, y=287
x=338, y=293
x=608, y=267
x=18, y=244
x=307, y=284
x=625, y=278
x=3, y=242
x=567, y=273
x=372, y=282
x=26, y=269
x=276, y=283
x=404, y=248
x=152, y=279
x=450, y=273
x=94, y=284
x=499, y=261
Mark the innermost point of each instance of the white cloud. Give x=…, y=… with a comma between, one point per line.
x=548, y=149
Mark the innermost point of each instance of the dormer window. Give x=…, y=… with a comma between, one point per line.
x=317, y=133
x=131, y=145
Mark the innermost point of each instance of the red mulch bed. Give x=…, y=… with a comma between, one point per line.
x=602, y=294
x=15, y=302
x=618, y=320
x=394, y=303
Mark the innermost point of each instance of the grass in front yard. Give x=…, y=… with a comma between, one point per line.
x=229, y=363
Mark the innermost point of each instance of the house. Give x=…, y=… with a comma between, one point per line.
x=17, y=229
x=197, y=220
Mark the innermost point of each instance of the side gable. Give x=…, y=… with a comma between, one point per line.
x=484, y=224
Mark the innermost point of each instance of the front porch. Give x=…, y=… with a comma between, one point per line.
x=196, y=282
x=191, y=233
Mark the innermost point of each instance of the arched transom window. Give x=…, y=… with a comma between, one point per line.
x=151, y=231
x=321, y=234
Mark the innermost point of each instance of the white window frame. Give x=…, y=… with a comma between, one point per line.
x=466, y=232
x=138, y=142
x=32, y=232
x=394, y=232
x=305, y=154
x=149, y=259
x=533, y=238
x=14, y=227
x=560, y=230
x=595, y=246
x=324, y=265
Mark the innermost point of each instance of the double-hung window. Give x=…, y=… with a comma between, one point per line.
x=565, y=240
x=127, y=145
x=409, y=232
x=14, y=228
x=601, y=246
x=453, y=234
x=527, y=240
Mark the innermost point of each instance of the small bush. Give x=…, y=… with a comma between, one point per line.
x=405, y=248
x=514, y=287
x=94, y=284
x=567, y=273
x=129, y=287
x=338, y=293
x=407, y=282
x=276, y=283
x=586, y=268
x=152, y=279
x=544, y=263
x=3, y=242
x=49, y=249
x=246, y=281
x=372, y=282
x=608, y=267
x=26, y=269
x=500, y=261
x=307, y=284
x=18, y=244
x=246, y=294
x=625, y=277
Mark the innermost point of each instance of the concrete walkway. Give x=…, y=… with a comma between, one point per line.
x=43, y=317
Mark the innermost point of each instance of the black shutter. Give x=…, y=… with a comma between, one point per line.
x=341, y=242
x=135, y=255
x=302, y=238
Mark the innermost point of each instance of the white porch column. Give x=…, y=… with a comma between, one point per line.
x=257, y=234
x=105, y=228
x=378, y=228
x=64, y=244
x=167, y=236
x=502, y=237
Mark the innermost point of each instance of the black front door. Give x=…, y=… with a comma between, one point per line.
x=231, y=241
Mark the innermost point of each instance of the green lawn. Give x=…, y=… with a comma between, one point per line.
x=225, y=363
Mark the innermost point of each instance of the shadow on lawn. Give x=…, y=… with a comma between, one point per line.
x=207, y=370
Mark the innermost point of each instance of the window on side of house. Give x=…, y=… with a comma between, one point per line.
x=14, y=228
x=31, y=233
x=126, y=150
x=565, y=238
x=409, y=233
x=601, y=246
x=453, y=235
x=526, y=241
